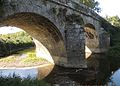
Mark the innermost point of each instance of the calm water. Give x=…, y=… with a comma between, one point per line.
x=33, y=72
x=23, y=73
x=57, y=76
x=66, y=76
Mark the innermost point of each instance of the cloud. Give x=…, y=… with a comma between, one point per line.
x=109, y=7
x=9, y=29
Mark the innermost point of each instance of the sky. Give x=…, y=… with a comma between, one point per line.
x=9, y=29
x=109, y=7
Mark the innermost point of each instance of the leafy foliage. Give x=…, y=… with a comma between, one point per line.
x=11, y=43
x=113, y=53
x=16, y=38
x=92, y=4
x=114, y=57
x=114, y=20
x=17, y=81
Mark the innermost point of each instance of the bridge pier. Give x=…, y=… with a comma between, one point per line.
x=75, y=43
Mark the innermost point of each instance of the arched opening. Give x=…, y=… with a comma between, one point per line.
x=46, y=36
x=17, y=49
x=91, y=39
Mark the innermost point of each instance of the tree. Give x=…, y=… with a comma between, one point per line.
x=92, y=4
x=113, y=54
x=114, y=20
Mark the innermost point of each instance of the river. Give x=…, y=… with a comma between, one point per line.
x=58, y=75
x=61, y=76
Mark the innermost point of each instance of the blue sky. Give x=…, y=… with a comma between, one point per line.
x=109, y=7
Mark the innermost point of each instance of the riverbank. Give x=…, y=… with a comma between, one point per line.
x=11, y=43
x=25, y=58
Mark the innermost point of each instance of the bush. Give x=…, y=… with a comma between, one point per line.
x=113, y=56
x=17, y=81
x=15, y=42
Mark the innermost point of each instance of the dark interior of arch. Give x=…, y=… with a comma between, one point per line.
x=90, y=31
x=45, y=34
x=89, y=25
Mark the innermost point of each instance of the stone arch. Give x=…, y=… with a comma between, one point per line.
x=47, y=37
x=91, y=39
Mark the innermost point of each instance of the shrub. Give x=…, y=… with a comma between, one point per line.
x=113, y=56
x=17, y=81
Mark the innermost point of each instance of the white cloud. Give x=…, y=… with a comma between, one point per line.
x=110, y=7
x=9, y=29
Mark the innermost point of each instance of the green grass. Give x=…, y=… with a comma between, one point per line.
x=26, y=51
x=31, y=56
x=8, y=59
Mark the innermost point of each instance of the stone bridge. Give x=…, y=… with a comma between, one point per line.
x=65, y=32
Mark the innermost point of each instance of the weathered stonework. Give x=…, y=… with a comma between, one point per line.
x=58, y=25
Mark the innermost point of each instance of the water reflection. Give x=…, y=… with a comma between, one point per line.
x=23, y=73
x=39, y=72
x=77, y=77
x=70, y=76
x=94, y=75
x=62, y=76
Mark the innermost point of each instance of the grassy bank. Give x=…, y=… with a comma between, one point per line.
x=24, y=58
x=11, y=43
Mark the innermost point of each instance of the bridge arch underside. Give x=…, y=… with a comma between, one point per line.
x=46, y=36
x=91, y=40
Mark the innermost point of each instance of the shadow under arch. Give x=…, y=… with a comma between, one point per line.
x=96, y=60
x=46, y=35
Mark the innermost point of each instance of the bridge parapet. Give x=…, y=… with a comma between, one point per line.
x=77, y=6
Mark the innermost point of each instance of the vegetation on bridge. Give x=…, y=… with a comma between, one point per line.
x=92, y=4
